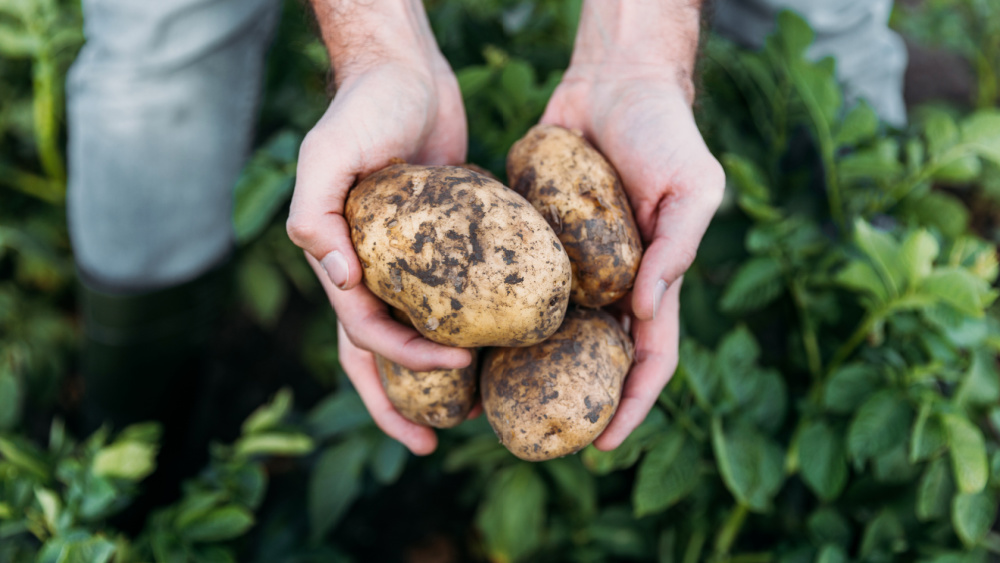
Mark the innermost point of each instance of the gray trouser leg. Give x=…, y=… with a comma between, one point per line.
x=161, y=108
x=871, y=58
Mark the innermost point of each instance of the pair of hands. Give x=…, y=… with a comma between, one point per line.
x=638, y=116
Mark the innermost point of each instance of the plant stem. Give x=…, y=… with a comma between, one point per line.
x=693, y=552
x=826, y=148
x=730, y=529
x=853, y=342
x=682, y=417
x=809, y=341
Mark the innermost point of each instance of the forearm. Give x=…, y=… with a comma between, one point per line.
x=653, y=36
x=362, y=34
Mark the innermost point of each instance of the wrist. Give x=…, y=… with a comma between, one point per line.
x=640, y=39
x=360, y=36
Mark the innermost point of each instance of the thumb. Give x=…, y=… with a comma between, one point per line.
x=316, y=220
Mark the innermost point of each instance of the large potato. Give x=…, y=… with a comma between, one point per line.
x=554, y=398
x=441, y=398
x=581, y=196
x=469, y=260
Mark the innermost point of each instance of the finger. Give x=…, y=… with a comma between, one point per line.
x=656, y=359
x=316, y=218
x=369, y=326
x=475, y=412
x=681, y=219
x=359, y=366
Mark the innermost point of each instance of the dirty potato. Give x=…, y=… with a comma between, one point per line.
x=440, y=398
x=468, y=260
x=579, y=193
x=554, y=398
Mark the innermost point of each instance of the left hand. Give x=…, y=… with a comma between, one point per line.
x=640, y=118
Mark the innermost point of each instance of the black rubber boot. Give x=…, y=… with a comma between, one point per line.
x=144, y=357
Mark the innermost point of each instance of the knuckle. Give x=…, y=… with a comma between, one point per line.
x=301, y=230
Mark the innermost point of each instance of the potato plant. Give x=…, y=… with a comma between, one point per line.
x=838, y=388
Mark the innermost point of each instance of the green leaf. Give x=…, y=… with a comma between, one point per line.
x=849, y=387
x=335, y=483
x=472, y=79
x=981, y=130
x=879, y=162
x=860, y=124
x=793, y=35
x=574, y=484
x=822, y=461
x=929, y=437
x=261, y=191
x=275, y=444
x=918, y=252
x=883, y=536
x=511, y=516
x=51, y=506
x=941, y=132
x=826, y=525
x=196, y=505
x=751, y=465
x=968, y=453
x=746, y=176
x=756, y=284
x=959, y=288
x=881, y=423
x=738, y=352
x=934, y=492
x=697, y=368
x=832, y=553
x=17, y=43
x=11, y=398
x=269, y=415
x=262, y=288
x=517, y=80
x=884, y=253
x=389, y=460
x=893, y=466
x=338, y=413
x=625, y=455
x=980, y=386
x=940, y=210
x=862, y=277
x=221, y=524
x=972, y=515
x=125, y=460
x=961, y=170
x=668, y=473
x=24, y=455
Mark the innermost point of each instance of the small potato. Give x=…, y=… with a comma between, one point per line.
x=579, y=193
x=468, y=260
x=556, y=397
x=440, y=398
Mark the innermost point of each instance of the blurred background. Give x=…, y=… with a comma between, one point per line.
x=851, y=414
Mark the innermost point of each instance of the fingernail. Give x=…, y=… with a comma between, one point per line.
x=661, y=288
x=336, y=267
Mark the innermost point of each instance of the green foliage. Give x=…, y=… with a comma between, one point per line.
x=836, y=393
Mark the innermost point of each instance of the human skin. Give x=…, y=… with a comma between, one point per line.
x=628, y=89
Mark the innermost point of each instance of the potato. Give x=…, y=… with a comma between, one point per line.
x=468, y=260
x=440, y=398
x=581, y=196
x=554, y=398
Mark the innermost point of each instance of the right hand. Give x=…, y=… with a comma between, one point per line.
x=393, y=109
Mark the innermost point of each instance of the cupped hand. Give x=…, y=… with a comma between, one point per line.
x=640, y=118
x=391, y=110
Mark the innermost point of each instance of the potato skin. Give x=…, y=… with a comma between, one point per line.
x=467, y=259
x=580, y=194
x=556, y=397
x=440, y=398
